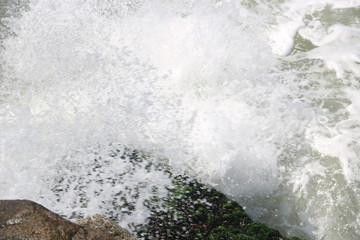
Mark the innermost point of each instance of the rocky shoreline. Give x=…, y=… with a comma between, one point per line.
x=190, y=211
x=185, y=209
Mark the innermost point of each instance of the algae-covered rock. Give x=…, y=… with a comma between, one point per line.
x=193, y=211
x=136, y=187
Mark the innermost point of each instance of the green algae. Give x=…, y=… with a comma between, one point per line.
x=183, y=208
x=193, y=211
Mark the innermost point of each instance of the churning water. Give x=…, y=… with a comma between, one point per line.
x=258, y=98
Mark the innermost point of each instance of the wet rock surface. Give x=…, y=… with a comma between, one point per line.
x=97, y=222
x=27, y=220
x=193, y=211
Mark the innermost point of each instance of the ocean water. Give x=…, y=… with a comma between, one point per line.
x=259, y=99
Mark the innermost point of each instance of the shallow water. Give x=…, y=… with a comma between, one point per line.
x=259, y=99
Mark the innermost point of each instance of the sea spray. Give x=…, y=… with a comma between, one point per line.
x=255, y=98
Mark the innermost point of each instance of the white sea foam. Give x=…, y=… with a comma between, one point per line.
x=257, y=99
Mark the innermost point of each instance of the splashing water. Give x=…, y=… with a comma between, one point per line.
x=259, y=99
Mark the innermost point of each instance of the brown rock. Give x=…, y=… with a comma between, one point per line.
x=27, y=220
x=100, y=223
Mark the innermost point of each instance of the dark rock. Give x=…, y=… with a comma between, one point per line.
x=27, y=220
x=193, y=211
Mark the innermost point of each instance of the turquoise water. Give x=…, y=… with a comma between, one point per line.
x=259, y=99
